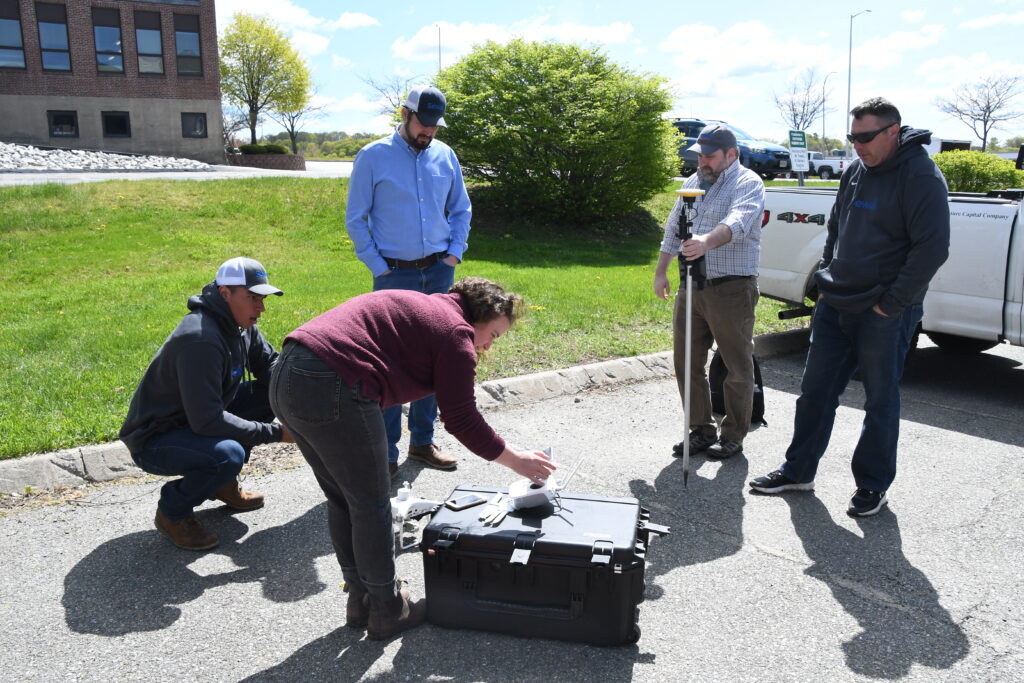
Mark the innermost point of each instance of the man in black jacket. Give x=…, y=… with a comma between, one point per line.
x=887, y=236
x=197, y=412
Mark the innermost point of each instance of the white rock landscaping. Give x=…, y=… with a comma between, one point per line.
x=28, y=158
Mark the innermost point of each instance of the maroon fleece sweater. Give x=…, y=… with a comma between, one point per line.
x=400, y=346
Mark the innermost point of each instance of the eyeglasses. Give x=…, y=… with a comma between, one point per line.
x=864, y=138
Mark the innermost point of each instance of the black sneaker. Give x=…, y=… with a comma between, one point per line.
x=700, y=441
x=725, y=449
x=866, y=503
x=777, y=482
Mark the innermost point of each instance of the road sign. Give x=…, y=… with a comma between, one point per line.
x=798, y=151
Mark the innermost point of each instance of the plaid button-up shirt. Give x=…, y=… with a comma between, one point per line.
x=736, y=200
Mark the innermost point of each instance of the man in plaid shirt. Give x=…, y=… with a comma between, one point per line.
x=727, y=230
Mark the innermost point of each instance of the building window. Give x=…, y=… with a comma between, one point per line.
x=149, y=42
x=116, y=124
x=193, y=125
x=106, y=30
x=53, y=36
x=186, y=43
x=63, y=124
x=12, y=50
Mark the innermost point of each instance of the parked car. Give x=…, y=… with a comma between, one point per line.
x=764, y=158
x=825, y=167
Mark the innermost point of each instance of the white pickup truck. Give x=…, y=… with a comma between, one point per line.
x=825, y=167
x=975, y=301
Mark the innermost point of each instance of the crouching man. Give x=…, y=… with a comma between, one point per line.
x=203, y=403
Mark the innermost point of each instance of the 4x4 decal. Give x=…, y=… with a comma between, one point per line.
x=791, y=217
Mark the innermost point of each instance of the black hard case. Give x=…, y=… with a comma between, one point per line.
x=570, y=571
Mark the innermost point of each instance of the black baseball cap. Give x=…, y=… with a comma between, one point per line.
x=713, y=138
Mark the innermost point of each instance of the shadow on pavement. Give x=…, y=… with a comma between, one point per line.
x=706, y=517
x=136, y=582
x=432, y=653
x=896, y=606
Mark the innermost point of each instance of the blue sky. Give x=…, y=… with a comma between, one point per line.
x=723, y=61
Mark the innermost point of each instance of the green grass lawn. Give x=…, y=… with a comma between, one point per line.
x=97, y=274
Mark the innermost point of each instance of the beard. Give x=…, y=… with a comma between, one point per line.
x=422, y=142
x=708, y=175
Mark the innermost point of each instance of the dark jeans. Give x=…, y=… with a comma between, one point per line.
x=842, y=343
x=341, y=435
x=205, y=462
x=435, y=279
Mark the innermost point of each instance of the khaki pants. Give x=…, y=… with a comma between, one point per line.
x=722, y=314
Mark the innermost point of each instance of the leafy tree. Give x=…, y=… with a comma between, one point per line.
x=982, y=105
x=559, y=130
x=803, y=103
x=260, y=71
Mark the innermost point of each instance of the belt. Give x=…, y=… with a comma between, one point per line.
x=727, y=278
x=419, y=263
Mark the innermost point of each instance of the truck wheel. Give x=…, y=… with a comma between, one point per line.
x=825, y=173
x=961, y=345
x=769, y=176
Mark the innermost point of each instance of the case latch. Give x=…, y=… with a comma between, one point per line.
x=522, y=548
x=602, y=552
x=446, y=539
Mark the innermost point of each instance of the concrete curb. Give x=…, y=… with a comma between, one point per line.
x=105, y=462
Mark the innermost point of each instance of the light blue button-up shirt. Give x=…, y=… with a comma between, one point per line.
x=398, y=200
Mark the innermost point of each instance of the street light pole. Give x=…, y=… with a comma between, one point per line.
x=824, y=108
x=849, y=70
x=439, y=48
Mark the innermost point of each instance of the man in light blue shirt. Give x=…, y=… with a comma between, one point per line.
x=408, y=217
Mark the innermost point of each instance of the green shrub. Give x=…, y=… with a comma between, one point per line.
x=977, y=171
x=258, y=148
x=561, y=133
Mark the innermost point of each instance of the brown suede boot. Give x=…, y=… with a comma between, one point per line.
x=357, y=609
x=433, y=456
x=186, y=533
x=232, y=495
x=394, y=616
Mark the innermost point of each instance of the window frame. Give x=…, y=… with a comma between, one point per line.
x=10, y=11
x=188, y=24
x=184, y=128
x=104, y=14
x=144, y=22
x=51, y=10
x=106, y=115
x=52, y=113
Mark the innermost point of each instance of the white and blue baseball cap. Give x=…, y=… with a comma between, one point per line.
x=248, y=273
x=428, y=103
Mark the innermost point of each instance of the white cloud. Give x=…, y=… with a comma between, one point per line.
x=338, y=62
x=349, y=20
x=309, y=44
x=913, y=16
x=887, y=51
x=458, y=39
x=356, y=102
x=994, y=20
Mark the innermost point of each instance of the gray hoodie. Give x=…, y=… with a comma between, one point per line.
x=888, y=232
x=196, y=374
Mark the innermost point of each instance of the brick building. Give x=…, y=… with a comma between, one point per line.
x=136, y=76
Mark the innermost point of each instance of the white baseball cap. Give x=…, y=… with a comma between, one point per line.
x=246, y=272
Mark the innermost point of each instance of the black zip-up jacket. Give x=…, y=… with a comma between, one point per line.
x=196, y=374
x=888, y=232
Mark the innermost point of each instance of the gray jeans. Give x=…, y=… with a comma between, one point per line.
x=341, y=436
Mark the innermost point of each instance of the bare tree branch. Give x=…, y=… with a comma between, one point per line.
x=982, y=105
x=392, y=90
x=803, y=103
x=289, y=120
x=233, y=120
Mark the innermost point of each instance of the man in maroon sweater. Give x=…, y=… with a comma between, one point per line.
x=335, y=375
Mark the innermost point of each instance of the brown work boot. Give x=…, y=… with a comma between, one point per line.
x=357, y=609
x=232, y=495
x=186, y=533
x=433, y=456
x=394, y=616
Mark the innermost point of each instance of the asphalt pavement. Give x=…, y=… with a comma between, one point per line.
x=746, y=587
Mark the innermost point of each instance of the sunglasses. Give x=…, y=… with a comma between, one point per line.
x=864, y=138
